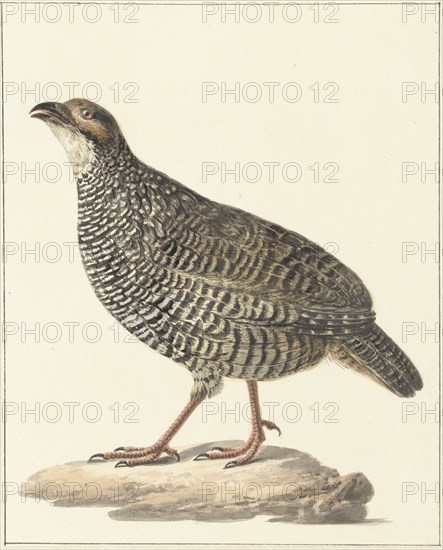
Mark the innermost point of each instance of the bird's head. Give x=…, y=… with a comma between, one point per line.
x=84, y=129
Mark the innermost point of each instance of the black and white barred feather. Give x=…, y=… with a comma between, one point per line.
x=222, y=291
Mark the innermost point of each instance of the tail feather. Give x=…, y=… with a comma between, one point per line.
x=376, y=355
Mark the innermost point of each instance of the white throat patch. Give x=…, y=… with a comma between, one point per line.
x=79, y=149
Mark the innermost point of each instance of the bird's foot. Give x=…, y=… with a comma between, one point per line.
x=242, y=454
x=135, y=456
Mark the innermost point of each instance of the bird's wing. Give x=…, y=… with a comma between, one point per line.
x=239, y=266
x=211, y=284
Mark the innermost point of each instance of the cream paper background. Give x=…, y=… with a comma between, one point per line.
x=169, y=53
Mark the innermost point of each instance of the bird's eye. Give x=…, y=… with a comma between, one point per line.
x=87, y=114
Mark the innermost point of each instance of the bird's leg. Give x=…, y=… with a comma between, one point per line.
x=143, y=455
x=246, y=452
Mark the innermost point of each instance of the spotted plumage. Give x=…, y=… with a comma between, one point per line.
x=217, y=289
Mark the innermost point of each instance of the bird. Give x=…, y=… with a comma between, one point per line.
x=221, y=291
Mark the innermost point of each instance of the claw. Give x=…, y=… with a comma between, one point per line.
x=177, y=456
x=119, y=449
x=201, y=455
x=121, y=464
x=97, y=455
x=269, y=425
x=231, y=464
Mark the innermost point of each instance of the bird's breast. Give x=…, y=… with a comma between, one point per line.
x=110, y=248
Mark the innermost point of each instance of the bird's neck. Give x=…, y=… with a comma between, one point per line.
x=104, y=172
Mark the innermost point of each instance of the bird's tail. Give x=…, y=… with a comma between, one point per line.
x=376, y=355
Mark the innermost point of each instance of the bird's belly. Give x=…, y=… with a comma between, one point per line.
x=287, y=354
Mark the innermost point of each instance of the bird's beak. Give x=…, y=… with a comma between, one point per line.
x=49, y=111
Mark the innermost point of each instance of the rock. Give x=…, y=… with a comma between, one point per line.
x=282, y=484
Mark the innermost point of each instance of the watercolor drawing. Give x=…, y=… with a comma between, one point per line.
x=226, y=294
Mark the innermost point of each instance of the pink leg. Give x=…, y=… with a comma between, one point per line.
x=145, y=455
x=246, y=452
